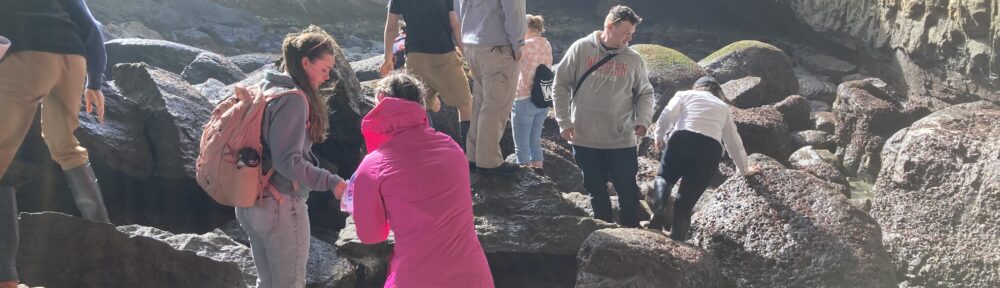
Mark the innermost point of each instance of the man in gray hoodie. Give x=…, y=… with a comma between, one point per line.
x=603, y=115
x=493, y=34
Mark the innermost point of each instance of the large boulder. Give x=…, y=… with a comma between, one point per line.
x=57, y=250
x=368, y=69
x=120, y=142
x=795, y=110
x=162, y=54
x=175, y=113
x=525, y=226
x=212, y=66
x=787, y=228
x=561, y=171
x=868, y=112
x=814, y=138
x=824, y=121
x=746, y=92
x=253, y=61
x=820, y=163
x=214, y=245
x=669, y=71
x=938, y=197
x=823, y=64
x=623, y=257
x=763, y=130
x=758, y=59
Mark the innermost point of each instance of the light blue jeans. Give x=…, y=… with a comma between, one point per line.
x=526, y=122
x=279, y=240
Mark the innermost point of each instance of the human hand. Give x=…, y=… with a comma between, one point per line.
x=339, y=190
x=568, y=134
x=94, y=98
x=753, y=170
x=660, y=145
x=640, y=130
x=387, y=65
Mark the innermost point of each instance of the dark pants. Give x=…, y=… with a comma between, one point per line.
x=618, y=165
x=694, y=157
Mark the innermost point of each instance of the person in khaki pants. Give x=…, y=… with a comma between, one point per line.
x=56, y=49
x=493, y=34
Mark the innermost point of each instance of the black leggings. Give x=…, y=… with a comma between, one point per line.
x=695, y=158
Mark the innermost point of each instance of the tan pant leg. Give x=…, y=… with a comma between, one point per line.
x=416, y=66
x=60, y=113
x=497, y=75
x=25, y=77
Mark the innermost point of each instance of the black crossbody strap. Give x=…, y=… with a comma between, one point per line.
x=591, y=70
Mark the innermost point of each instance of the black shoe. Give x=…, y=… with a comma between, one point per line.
x=472, y=166
x=505, y=169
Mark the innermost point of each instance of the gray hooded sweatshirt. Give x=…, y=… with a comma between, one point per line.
x=289, y=149
x=611, y=102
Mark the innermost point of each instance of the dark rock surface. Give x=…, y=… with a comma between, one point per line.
x=623, y=257
x=824, y=121
x=175, y=113
x=820, y=163
x=212, y=66
x=253, y=61
x=868, y=112
x=368, y=69
x=795, y=110
x=763, y=130
x=815, y=138
x=786, y=228
x=746, y=92
x=57, y=250
x=162, y=54
x=938, y=196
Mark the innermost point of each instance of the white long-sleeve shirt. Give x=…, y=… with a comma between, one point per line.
x=703, y=113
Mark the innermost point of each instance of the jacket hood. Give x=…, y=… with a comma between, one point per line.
x=275, y=78
x=390, y=117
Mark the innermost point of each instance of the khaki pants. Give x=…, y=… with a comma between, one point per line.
x=443, y=75
x=494, y=74
x=54, y=80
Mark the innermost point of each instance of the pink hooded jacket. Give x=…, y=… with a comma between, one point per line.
x=417, y=179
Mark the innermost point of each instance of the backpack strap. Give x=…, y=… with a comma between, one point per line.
x=591, y=70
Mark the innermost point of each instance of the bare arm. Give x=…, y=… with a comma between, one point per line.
x=388, y=36
x=456, y=31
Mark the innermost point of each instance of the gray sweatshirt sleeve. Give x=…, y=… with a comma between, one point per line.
x=565, y=80
x=287, y=138
x=643, y=93
x=514, y=22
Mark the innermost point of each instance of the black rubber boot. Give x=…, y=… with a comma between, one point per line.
x=680, y=228
x=463, y=133
x=8, y=234
x=86, y=193
x=662, y=205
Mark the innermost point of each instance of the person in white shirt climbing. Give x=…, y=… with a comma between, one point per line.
x=691, y=132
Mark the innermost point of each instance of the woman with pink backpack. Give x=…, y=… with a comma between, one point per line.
x=415, y=181
x=278, y=223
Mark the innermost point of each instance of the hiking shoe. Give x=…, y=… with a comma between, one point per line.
x=505, y=169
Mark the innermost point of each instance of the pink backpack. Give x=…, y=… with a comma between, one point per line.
x=229, y=164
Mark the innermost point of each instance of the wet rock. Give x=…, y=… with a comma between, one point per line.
x=795, y=110
x=815, y=87
x=368, y=69
x=746, y=92
x=787, y=228
x=669, y=71
x=641, y=258
x=818, y=106
x=936, y=198
x=524, y=225
x=758, y=59
x=824, y=121
x=763, y=130
x=823, y=64
x=254, y=61
x=175, y=113
x=212, y=66
x=57, y=250
x=868, y=112
x=162, y=54
x=815, y=138
x=818, y=162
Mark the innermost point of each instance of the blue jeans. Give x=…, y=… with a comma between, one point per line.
x=618, y=165
x=526, y=122
x=279, y=240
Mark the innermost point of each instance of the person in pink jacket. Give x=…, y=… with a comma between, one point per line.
x=415, y=181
